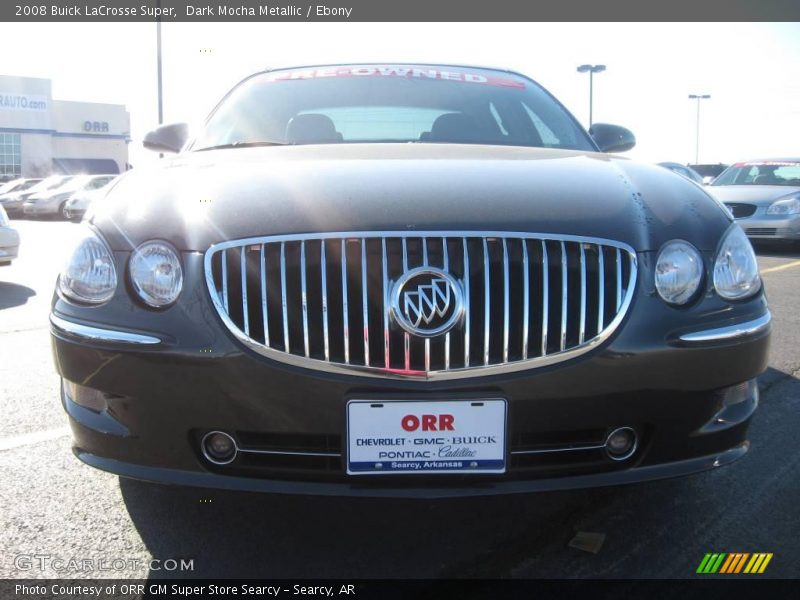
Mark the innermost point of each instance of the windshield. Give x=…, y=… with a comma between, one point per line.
x=47, y=184
x=761, y=173
x=392, y=104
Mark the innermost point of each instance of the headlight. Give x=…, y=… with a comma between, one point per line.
x=679, y=271
x=156, y=273
x=3, y=217
x=789, y=206
x=736, y=268
x=89, y=276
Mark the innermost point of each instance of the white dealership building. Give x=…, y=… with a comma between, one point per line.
x=40, y=136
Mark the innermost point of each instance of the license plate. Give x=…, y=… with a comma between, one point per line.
x=448, y=436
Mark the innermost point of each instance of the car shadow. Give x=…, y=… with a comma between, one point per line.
x=12, y=294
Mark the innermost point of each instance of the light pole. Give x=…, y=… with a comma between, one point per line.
x=698, y=97
x=591, y=69
x=158, y=59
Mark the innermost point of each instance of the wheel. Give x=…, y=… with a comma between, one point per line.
x=63, y=211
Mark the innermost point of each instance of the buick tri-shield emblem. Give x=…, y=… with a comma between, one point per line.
x=426, y=301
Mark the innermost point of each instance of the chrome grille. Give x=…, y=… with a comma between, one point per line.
x=322, y=300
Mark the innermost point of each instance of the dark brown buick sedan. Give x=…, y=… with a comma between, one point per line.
x=417, y=280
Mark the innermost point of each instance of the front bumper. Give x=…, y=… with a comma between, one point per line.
x=664, y=373
x=765, y=227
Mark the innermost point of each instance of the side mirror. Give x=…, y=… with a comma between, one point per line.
x=612, y=138
x=167, y=138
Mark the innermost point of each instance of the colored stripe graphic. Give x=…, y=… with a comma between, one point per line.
x=734, y=563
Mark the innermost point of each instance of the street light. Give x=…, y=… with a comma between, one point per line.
x=591, y=69
x=158, y=66
x=698, y=97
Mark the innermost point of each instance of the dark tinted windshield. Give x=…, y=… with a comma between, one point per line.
x=761, y=173
x=330, y=105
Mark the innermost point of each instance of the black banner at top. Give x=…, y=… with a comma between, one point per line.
x=398, y=10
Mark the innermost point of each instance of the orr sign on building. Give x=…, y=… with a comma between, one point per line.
x=40, y=136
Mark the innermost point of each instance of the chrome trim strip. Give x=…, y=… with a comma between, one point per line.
x=446, y=267
x=619, y=279
x=427, y=339
x=439, y=375
x=486, y=303
x=101, y=334
x=264, y=315
x=243, y=270
x=582, y=330
x=407, y=336
x=385, y=273
x=564, y=292
x=545, y=296
x=601, y=290
x=526, y=301
x=364, y=299
x=564, y=449
x=304, y=296
x=225, y=279
x=323, y=262
x=345, y=312
x=284, y=305
x=506, y=295
x=730, y=332
x=466, y=303
x=287, y=452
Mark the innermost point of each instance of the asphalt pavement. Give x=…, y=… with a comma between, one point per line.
x=53, y=506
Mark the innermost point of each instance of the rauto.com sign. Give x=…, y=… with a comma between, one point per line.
x=22, y=102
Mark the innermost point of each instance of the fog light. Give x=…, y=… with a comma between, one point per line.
x=218, y=447
x=739, y=393
x=86, y=397
x=621, y=443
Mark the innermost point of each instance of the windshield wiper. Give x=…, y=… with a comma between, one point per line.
x=241, y=145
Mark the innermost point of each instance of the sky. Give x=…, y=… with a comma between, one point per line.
x=751, y=71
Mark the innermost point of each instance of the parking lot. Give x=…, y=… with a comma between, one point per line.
x=52, y=505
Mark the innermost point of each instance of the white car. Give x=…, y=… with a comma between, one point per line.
x=9, y=240
x=79, y=202
x=53, y=202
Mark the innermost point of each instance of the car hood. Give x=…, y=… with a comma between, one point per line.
x=760, y=195
x=200, y=198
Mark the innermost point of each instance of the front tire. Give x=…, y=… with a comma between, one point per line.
x=62, y=211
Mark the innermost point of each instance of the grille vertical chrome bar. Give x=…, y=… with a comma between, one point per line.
x=467, y=311
x=545, y=296
x=526, y=301
x=284, y=305
x=364, y=299
x=506, y=295
x=323, y=265
x=619, y=279
x=385, y=275
x=582, y=331
x=446, y=267
x=486, y=302
x=601, y=269
x=406, y=337
x=264, y=312
x=243, y=269
x=225, y=280
x=564, y=291
x=304, y=296
x=345, y=312
x=427, y=340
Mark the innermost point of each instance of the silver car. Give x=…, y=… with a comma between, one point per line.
x=9, y=240
x=763, y=196
x=53, y=201
x=14, y=193
x=79, y=201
